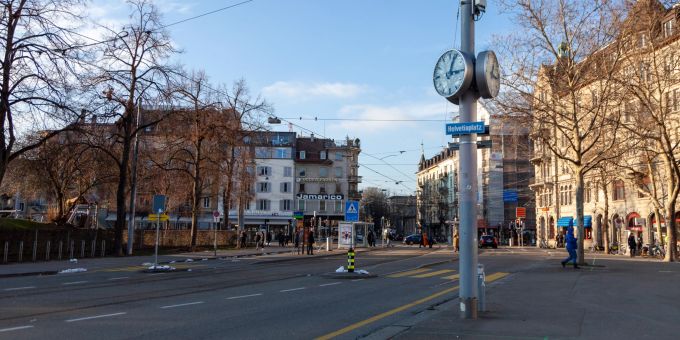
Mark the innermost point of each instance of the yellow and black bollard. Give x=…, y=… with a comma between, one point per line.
x=350, y=260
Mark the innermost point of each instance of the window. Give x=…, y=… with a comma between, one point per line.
x=668, y=28
x=302, y=154
x=645, y=74
x=285, y=205
x=322, y=188
x=619, y=190
x=569, y=194
x=302, y=172
x=338, y=156
x=288, y=171
x=338, y=171
x=322, y=205
x=676, y=100
x=206, y=202
x=643, y=40
x=262, y=152
x=302, y=187
x=263, y=187
x=322, y=155
x=338, y=206
x=264, y=171
x=286, y=186
x=301, y=205
x=323, y=172
x=263, y=205
x=587, y=193
x=594, y=99
x=338, y=188
x=282, y=153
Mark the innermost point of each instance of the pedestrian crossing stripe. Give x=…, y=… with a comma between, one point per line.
x=435, y=273
x=410, y=272
x=451, y=277
x=138, y=268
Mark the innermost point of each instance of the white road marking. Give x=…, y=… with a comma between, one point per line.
x=330, y=284
x=14, y=328
x=95, y=317
x=290, y=290
x=74, y=283
x=18, y=288
x=357, y=280
x=665, y=271
x=243, y=296
x=119, y=278
x=183, y=304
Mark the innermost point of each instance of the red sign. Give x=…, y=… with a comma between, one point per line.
x=521, y=212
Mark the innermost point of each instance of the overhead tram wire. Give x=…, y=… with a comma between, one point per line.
x=364, y=119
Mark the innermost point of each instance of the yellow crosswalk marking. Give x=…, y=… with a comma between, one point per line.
x=435, y=273
x=410, y=272
x=496, y=276
x=451, y=277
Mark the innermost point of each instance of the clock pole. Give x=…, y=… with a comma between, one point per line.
x=468, y=177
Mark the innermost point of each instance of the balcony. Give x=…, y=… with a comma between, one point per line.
x=354, y=179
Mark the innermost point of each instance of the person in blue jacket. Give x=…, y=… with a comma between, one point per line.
x=571, y=246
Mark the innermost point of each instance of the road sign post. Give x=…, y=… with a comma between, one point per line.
x=216, y=216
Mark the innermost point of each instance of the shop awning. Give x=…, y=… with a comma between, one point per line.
x=587, y=221
x=564, y=221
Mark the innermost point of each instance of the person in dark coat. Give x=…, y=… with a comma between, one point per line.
x=571, y=246
x=310, y=243
x=297, y=242
x=632, y=245
x=371, y=238
x=243, y=239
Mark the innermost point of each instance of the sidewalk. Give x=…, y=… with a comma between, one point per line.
x=273, y=253
x=612, y=300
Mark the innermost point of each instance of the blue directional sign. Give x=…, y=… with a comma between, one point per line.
x=464, y=128
x=352, y=211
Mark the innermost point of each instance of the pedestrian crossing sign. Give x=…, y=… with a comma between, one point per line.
x=352, y=211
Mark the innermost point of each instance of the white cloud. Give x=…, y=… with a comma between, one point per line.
x=301, y=91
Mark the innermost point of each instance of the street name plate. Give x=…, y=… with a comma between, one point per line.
x=464, y=128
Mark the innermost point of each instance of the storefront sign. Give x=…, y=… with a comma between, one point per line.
x=319, y=197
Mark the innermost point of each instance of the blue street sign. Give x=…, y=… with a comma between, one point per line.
x=352, y=211
x=158, y=203
x=464, y=128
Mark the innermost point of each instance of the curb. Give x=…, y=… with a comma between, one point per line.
x=41, y=273
x=345, y=275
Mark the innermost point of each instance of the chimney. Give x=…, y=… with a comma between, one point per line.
x=311, y=138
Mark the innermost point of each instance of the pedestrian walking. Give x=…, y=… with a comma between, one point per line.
x=422, y=240
x=456, y=240
x=310, y=243
x=639, y=244
x=269, y=238
x=371, y=238
x=297, y=243
x=243, y=239
x=631, y=245
x=571, y=246
x=258, y=239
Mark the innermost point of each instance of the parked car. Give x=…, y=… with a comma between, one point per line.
x=415, y=239
x=488, y=241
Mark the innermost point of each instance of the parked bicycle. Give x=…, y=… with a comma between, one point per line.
x=656, y=251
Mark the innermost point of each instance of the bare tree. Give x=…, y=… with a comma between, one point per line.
x=131, y=71
x=650, y=77
x=242, y=118
x=559, y=75
x=38, y=88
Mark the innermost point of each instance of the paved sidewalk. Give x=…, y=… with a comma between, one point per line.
x=615, y=299
x=271, y=253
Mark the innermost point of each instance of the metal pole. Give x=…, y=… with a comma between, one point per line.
x=215, y=237
x=133, y=183
x=158, y=225
x=468, y=179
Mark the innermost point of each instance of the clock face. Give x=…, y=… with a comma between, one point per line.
x=450, y=73
x=488, y=74
x=493, y=74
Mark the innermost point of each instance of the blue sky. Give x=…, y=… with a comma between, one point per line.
x=350, y=59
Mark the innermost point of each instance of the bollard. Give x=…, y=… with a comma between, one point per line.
x=47, y=251
x=4, y=259
x=21, y=251
x=328, y=244
x=35, y=248
x=481, y=287
x=350, y=260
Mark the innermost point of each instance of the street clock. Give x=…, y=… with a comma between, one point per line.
x=487, y=74
x=453, y=74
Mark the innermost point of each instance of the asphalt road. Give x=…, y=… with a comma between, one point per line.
x=239, y=299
